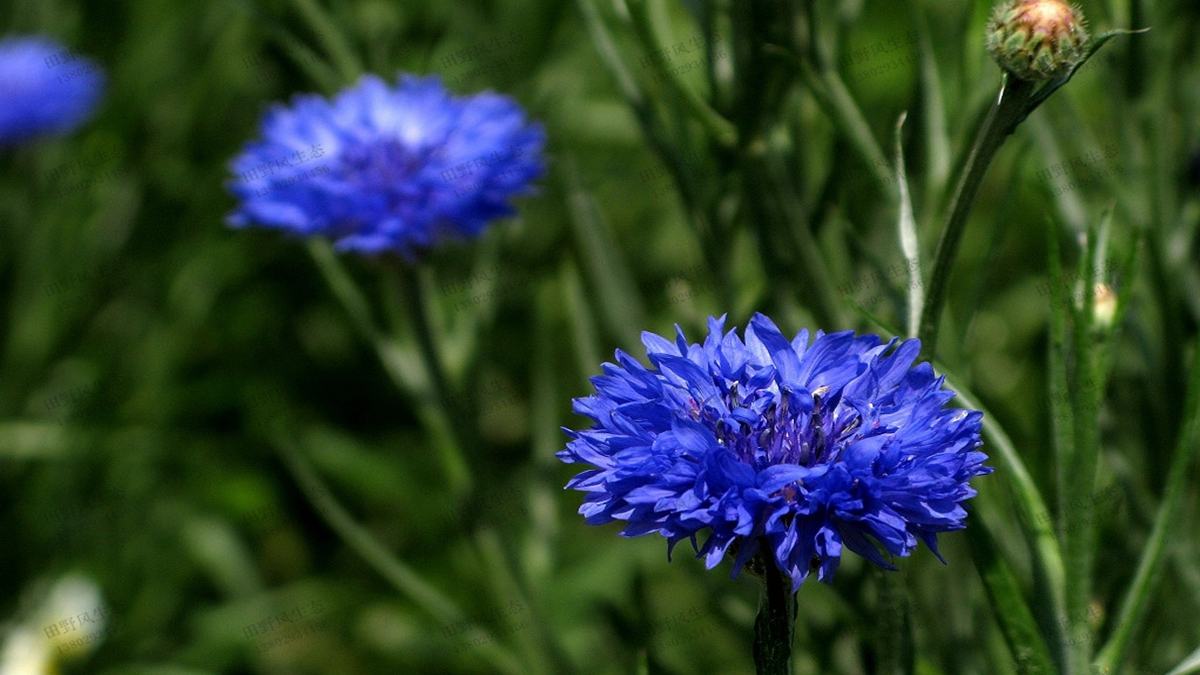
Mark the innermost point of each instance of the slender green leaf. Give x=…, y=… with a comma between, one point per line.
x=908, y=238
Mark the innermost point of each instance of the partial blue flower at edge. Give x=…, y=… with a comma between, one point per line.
x=44, y=88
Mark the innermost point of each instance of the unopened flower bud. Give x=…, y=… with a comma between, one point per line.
x=1037, y=40
x=1104, y=306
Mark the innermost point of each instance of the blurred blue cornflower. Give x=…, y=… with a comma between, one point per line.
x=383, y=168
x=44, y=88
x=804, y=447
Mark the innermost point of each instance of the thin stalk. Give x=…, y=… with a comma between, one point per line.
x=776, y=622
x=720, y=129
x=414, y=377
x=1002, y=119
x=334, y=41
x=1062, y=415
x=1078, y=515
x=894, y=638
x=452, y=420
x=835, y=99
x=1008, y=604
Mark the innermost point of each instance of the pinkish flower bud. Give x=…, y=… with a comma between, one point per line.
x=1037, y=40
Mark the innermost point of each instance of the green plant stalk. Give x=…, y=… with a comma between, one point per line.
x=713, y=244
x=1002, y=119
x=775, y=624
x=835, y=99
x=537, y=645
x=719, y=128
x=409, y=375
x=1136, y=600
x=605, y=267
x=440, y=408
x=1078, y=515
x=1062, y=415
x=609, y=56
x=895, y=654
x=788, y=248
x=934, y=109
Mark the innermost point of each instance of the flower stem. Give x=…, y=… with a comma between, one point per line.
x=894, y=636
x=1001, y=120
x=449, y=417
x=422, y=379
x=776, y=622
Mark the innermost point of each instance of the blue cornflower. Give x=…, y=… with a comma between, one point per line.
x=806, y=448
x=44, y=88
x=383, y=168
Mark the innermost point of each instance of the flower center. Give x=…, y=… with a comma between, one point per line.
x=382, y=163
x=767, y=428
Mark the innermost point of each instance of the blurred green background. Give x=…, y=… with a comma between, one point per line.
x=166, y=382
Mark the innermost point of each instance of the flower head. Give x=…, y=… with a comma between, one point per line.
x=46, y=88
x=1037, y=39
x=383, y=168
x=804, y=448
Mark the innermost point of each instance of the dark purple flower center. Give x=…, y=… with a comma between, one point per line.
x=767, y=429
x=383, y=163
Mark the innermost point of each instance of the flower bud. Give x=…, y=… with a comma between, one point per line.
x=1104, y=306
x=1037, y=40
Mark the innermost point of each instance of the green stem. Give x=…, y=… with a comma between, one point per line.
x=719, y=128
x=776, y=621
x=421, y=379
x=452, y=420
x=1002, y=119
x=835, y=99
x=1008, y=604
x=331, y=38
x=417, y=310
x=1078, y=513
x=895, y=654
x=788, y=248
